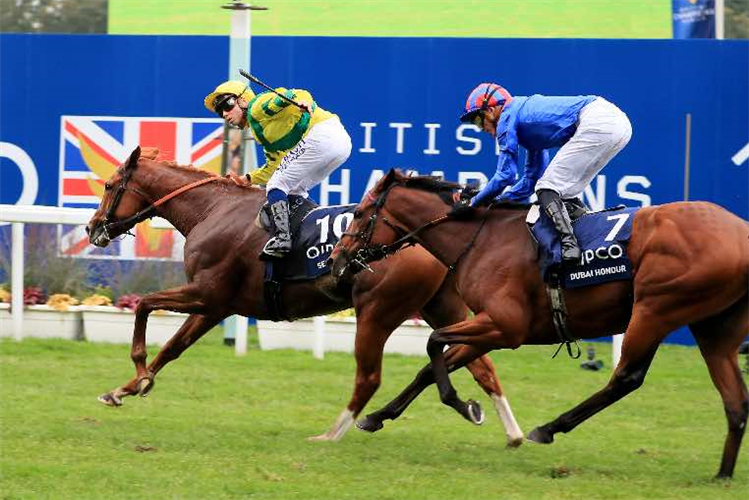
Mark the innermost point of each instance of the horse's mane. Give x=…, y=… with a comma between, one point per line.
x=431, y=183
x=152, y=154
x=438, y=185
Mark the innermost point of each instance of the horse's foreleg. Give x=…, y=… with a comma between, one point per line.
x=444, y=309
x=181, y=299
x=483, y=372
x=368, y=347
x=476, y=332
x=456, y=357
x=639, y=347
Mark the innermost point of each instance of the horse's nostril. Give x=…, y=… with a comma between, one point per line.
x=88, y=231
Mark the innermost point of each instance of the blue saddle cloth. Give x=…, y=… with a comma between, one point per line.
x=603, y=237
x=313, y=240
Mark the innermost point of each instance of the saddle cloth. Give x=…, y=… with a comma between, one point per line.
x=315, y=231
x=603, y=238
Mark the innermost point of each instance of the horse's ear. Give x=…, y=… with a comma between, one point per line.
x=133, y=160
x=389, y=177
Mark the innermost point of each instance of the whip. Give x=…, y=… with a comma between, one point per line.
x=255, y=80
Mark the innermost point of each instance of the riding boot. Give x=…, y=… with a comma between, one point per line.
x=555, y=209
x=280, y=243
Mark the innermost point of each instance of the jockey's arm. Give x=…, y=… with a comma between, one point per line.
x=535, y=165
x=507, y=167
x=261, y=175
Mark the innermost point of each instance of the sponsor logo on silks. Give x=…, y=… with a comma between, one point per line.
x=92, y=148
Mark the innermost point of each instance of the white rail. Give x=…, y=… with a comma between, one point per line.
x=38, y=214
x=18, y=215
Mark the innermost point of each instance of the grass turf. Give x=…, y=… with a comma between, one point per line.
x=221, y=427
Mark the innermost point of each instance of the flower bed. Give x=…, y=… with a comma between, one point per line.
x=42, y=321
x=410, y=338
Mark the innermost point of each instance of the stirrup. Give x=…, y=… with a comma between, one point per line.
x=275, y=252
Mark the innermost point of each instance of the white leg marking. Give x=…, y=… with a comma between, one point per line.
x=514, y=434
x=340, y=427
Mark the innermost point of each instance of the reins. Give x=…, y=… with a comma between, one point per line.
x=146, y=212
x=368, y=254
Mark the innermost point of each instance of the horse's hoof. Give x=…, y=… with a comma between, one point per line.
x=369, y=424
x=145, y=385
x=475, y=412
x=514, y=442
x=110, y=399
x=541, y=436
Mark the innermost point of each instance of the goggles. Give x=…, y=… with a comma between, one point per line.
x=224, y=103
x=478, y=119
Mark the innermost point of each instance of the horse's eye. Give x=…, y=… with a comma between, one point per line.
x=357, y=214
x=107, y=186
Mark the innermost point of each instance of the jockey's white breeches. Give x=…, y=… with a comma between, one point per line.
x=602, y=131
x=324, y=149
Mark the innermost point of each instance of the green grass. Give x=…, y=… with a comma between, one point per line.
x=412, y=18
x=221, y=427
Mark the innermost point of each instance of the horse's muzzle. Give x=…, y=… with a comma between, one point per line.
x=97, y=235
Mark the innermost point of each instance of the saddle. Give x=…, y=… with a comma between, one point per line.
x=603, y=238
x=315, y=231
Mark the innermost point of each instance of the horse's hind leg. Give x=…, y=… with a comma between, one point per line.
x=641, y=341
x=718, y=338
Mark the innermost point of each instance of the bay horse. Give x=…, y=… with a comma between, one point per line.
x=225, y=277
x=690, y=263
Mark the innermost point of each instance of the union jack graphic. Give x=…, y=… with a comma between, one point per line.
x=91, y=149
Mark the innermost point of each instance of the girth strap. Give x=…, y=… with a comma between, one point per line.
x=272, y=294
x=559, y=316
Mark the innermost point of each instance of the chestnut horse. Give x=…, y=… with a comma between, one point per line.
x=225, y=277
x=690, y=266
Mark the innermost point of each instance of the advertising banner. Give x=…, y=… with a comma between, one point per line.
x=694, y=18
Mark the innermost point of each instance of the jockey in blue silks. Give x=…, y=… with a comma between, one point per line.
x=588, y=129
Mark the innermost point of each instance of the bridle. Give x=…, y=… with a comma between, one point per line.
x=369, y=253
x=112, y=225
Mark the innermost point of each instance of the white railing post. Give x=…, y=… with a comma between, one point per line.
x=318, y=351
x=240, y=324
x=16, y=287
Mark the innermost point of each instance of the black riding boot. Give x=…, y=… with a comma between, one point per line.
x=280, y=243
x=555, y=209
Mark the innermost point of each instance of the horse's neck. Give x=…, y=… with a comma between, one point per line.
x=187, y=209
x=442, y=242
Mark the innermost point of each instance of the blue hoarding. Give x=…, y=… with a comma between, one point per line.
x=399, y=98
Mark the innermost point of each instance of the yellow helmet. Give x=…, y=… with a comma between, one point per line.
x=233, y=87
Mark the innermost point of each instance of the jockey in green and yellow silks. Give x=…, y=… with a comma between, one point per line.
x=302, y=143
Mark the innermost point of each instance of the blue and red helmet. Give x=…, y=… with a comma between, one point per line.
x=482, y=98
